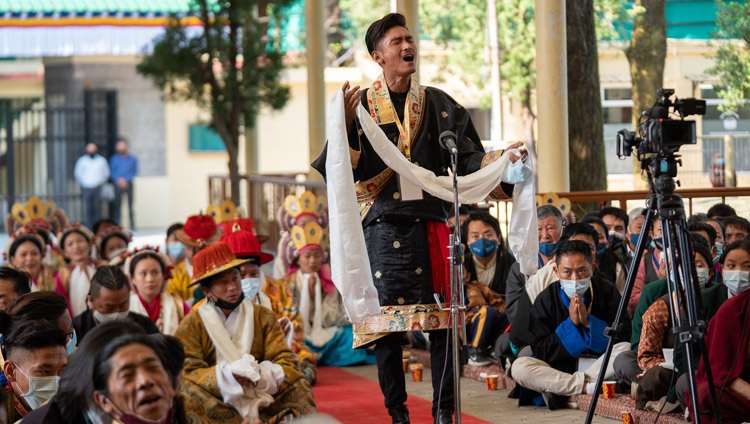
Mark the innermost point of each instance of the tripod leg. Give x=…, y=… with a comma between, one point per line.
x=612, y=332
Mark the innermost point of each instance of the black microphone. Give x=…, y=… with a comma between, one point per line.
x=448, y=141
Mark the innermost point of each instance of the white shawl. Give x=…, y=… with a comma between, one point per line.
x=313, y=325
x=169, y=317
x=353, y=276
x=78, y=288
x=232, y=337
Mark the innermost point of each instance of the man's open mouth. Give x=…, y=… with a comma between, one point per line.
x=149, y=400
x=409, y=58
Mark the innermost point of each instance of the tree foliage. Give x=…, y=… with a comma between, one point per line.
x=227, y=67
x=733, y=55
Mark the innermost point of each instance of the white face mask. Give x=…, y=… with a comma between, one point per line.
x=573, y=287
x=702, y=276
x=737, y=281
x=41, y=389
x=100, y=317
x=251, y=287
x=614, y=233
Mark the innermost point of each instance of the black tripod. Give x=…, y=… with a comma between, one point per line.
x=685, y=304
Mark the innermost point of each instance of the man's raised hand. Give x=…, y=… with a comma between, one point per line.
x=351, y=101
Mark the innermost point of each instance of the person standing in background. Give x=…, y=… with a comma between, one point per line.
x=123, y=167
x=91, y=172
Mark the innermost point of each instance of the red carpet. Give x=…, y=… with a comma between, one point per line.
x=353, y=399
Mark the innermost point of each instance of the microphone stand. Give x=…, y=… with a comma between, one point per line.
x=457, y=304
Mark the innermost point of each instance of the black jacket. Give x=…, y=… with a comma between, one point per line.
x=503, y=262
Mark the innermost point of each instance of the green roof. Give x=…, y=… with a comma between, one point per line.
x=51, y=6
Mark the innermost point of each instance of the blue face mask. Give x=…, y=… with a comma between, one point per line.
x=176, y=250
x=250, y=287
x=634, y=239
x=71, y=346
x=719, y=252
x=548, y=249
x=720, y=161
x=483, y=247
x=600, y=249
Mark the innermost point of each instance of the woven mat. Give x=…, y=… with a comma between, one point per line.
x=613, y=408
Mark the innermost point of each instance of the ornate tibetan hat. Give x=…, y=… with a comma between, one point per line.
x=306, y=205
x=213, y=260
x=101, y=239
x=43, y=216
x=309, y=235
x=198, y=231
x=23, y=234
x=126, y=259
x=223, y=212
x=244, y=244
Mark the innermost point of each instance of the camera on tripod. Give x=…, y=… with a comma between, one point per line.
x=657, y=132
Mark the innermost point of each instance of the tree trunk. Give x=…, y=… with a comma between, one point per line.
x=646, y=54
x=234, y=178
x=585, y=133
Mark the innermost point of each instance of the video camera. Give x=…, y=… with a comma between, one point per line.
x=657, y=132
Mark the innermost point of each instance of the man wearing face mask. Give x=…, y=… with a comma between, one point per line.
x=633, y=233
x=617, y=222
x=238, y=365
x=35, y=358
x=269, y=292
x=567, y=320
x=649, y=267
x=108, y=300
x=175, y=249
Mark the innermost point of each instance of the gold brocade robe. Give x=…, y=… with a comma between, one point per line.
x=203, y=400
x=179, y=282
x=282, y=304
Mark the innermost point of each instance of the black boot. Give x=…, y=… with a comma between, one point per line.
x=399, y=415
x=444, y=417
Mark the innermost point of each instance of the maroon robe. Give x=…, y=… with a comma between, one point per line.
x=727, y=341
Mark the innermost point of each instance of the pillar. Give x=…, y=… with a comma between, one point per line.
x=552, y=97
x=316, y=96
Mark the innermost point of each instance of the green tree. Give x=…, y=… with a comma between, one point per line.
x=585, y=123
x=733, y=55
x=646, y=55
x=229, y=67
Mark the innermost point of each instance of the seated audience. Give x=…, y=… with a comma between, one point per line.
x=486, y=259
x=149, y=272
x=617, y=222
x=26, y=252
x=656, y=335
x=175, y=249
x=35, y=358
x=550, y=225
x=567, y=320
x=45, y=306
x=626, y=364
x=13, y=283
x=720, y=211
x=238, y=365
x=271, y=293
x=74, y=402
x=110, y=300
x=196, y=234
x=728, y=357
x=735, y=228
x=132, y=384
x=708, y=233
x=607, y=261
x=648, y=269
x=112, y=242
x=633, y=233
x=75, y=277
x=327, y=331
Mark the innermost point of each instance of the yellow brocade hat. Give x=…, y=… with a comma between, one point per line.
x=309, y=235
x=307, y=204
x=37, y=214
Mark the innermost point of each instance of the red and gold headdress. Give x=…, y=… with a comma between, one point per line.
x=43, y=216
